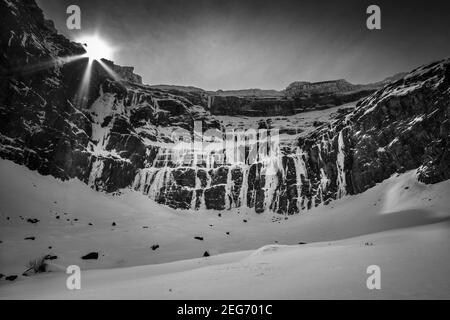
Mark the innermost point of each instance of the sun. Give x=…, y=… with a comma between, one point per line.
x=96, y=48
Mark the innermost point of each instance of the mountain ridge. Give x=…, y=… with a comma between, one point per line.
x=257, y=92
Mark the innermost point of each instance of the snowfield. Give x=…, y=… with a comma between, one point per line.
x=400, y=225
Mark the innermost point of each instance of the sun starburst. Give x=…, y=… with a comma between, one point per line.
x=96, y=47
x=96, y=50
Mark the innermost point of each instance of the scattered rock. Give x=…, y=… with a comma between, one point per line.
x=244, y=220
x=145, y=227
x=113, y=224
x=228, y=232
x=90, y=224
x=57, y=217
x=90, y=256
x=30, y=238
x=50, y=247
x=33, y=220
x=302, y=243
x=1, y=275
x=50, y=257
x=11, y=278
x=155, y=246
x=206, y=254
x=199, y=238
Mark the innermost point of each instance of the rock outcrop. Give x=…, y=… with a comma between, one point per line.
x=125, y=73
x=253, y=106
x=300, y=88
x=298, y=97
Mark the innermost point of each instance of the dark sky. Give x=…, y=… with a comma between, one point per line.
x=236, y=44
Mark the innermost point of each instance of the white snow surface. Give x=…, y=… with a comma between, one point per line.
x=400, y=225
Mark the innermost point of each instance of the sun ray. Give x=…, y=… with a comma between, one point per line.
x=96, y=50
x=81, y=98
x=47, y=64
x=114, y=75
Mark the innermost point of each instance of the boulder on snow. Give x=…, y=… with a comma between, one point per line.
x=11, y=278
x=90, y=256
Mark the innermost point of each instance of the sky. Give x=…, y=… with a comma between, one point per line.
x=240, y=44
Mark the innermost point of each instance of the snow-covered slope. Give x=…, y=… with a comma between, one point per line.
x=399, y=202
x=414, y=264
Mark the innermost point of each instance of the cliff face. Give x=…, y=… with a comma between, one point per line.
x=126, y=135
x=401, y=127
x=309, y=88
x=253, y=106
x=43, y=126
x=125, y=73
x=298, y=97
